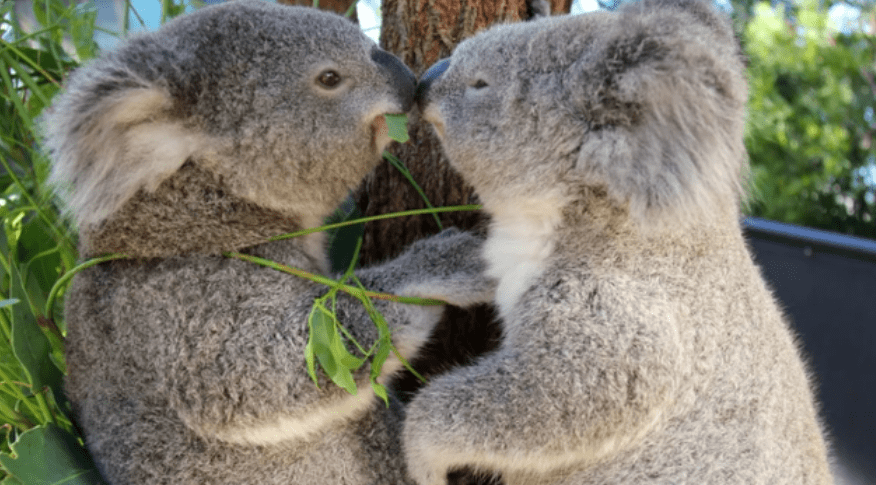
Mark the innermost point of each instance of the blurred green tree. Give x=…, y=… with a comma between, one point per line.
x=811, y=117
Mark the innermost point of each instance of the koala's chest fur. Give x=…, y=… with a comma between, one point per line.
x=520, y=242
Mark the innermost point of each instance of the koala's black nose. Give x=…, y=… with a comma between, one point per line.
x=430, y=76
x=400, y=76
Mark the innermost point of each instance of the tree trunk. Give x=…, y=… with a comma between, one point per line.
x=337, y=6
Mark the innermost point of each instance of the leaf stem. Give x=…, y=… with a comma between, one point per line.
x=415, y=212
x=62, y=281
x=400, y=166
x=352, y=290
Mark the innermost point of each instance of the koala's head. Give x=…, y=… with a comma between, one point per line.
x=281, y=105
x=646, y=103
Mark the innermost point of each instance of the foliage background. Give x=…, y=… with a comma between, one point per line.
x=36, y=247
x=811, y=123
x=810, y=136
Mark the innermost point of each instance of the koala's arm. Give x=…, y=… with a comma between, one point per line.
x=229, y=336
x=570, y=384
x=447, y=266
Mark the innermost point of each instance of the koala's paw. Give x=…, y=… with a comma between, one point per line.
x=450, y=267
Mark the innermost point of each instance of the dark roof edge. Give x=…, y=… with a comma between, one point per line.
x=851, y=246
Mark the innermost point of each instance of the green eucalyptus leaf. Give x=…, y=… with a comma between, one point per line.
x=309, y=352
x=54, y=66
x=327, y=346
x=380, y=390
x=321, y=329
x=342, y=355
x=344, y=378
x=398, y=127
x=380, y=356
x=31, y=347
x=343, y=360
x=48, y=455
x=13, y=227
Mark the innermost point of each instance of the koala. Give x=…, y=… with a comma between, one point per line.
x=641, y=345
x=225, y=127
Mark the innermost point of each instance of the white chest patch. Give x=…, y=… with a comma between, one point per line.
x=520, y=241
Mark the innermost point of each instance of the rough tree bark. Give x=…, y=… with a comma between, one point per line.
x=337, y=6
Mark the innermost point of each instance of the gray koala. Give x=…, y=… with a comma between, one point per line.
x=641, y=343
x=227, y=126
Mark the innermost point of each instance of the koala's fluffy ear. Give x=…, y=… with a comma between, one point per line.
x=664, y=98
x=110, y=135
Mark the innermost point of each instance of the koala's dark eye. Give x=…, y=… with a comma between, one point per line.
x=479, y=84
x=329, y=78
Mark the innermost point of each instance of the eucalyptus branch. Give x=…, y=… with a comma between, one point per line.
x=415, y=212
x=65, y=278
x=351, y=290
x=395, y=162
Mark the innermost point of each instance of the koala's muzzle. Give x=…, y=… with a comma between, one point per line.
x=430, y=76
x=400, y=77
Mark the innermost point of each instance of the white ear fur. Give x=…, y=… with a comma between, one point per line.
x=127, y=142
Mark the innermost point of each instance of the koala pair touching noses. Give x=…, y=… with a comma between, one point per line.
x=225, y=127
x=641, y=343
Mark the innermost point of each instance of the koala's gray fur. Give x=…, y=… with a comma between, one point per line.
x=641, y=343
x=211, y=135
